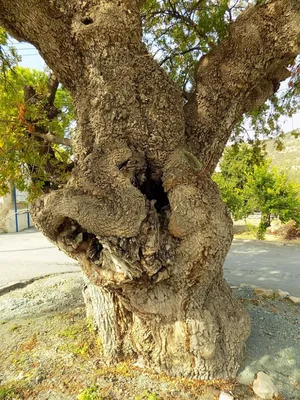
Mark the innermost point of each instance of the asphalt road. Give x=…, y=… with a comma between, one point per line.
x=264, y=264
x=29, y=254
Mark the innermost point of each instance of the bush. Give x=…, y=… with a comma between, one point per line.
x=261, y=231
x=251, y=228
x=289, y=231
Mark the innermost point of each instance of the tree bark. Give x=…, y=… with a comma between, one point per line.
x=140, y=211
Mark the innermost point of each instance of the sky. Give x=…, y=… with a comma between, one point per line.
x=32, y=59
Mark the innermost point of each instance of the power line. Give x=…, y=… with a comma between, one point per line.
x=30, y=55
x=26, y=48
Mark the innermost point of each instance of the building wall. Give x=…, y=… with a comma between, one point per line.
x=8, y=215
x=6, y=203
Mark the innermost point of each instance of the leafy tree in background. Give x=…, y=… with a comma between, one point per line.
x=270, y=192
x=248, y=184
x=35, y=117
x=237, y=163
x=158, y=88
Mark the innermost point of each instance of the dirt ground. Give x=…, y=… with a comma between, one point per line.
x=246, y=229
x=49, y=351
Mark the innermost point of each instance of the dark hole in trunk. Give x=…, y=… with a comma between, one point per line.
x=72, y=234
x=122, y=165
x=154, y=190
x=87, y=20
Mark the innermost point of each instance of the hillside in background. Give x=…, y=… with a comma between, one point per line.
x=288, y=159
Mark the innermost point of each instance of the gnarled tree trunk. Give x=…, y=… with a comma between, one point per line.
x=140, y=211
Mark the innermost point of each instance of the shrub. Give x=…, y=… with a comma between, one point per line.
x=289, y=231
x=261, y=231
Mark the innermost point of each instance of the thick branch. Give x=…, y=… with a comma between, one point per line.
x=241, y=74
x=47, y=24
x=96, y=51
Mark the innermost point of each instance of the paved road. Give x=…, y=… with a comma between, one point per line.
x=265, y=264
x=29, y=254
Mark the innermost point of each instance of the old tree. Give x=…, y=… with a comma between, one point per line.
x=139, y=210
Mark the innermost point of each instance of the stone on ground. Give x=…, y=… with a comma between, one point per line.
x=294, y=299
x=263, y=386
x=225, y=396
x=282, y=294
x=264, y=292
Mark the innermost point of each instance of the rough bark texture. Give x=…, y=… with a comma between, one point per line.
x=140, y=211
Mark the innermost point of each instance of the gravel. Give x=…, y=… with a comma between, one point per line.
x=273, y=346
x=53, y=293
x=274, y=342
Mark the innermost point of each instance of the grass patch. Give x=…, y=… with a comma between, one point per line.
x=14, y=328
x=15, y=390
x=77, y=349
x=147, y=396
x=124, y=369
x=90, y=394
x=71, y=333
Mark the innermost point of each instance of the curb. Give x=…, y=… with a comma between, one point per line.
x=269, y=293
x=263, y=242
x=22, y=284
x=263, y=292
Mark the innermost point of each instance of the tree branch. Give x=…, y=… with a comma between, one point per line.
x=50, y=138
x=47, y=24
x=241, y=73
x=179, y=53
x=52, y=88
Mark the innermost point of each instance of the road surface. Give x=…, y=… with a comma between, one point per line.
x=264, y=264
x=29, y=254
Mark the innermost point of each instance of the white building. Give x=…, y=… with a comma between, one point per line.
x=14, y=212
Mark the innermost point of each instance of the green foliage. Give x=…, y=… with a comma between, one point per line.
x=8, y=55
x=261, y=230
x=180, y=32
x=147, y=396
x=251, y=229
x=13, y=390
x=237, y=164
x=248, y=184
x=272, y=194
x=26, y=161
x=90, y=394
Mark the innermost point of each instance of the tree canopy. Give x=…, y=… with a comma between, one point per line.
x=178, y=34
x=33, y=151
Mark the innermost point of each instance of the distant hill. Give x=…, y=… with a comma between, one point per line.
x=288, y=159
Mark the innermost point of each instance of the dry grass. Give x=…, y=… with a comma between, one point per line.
x=59, y=356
